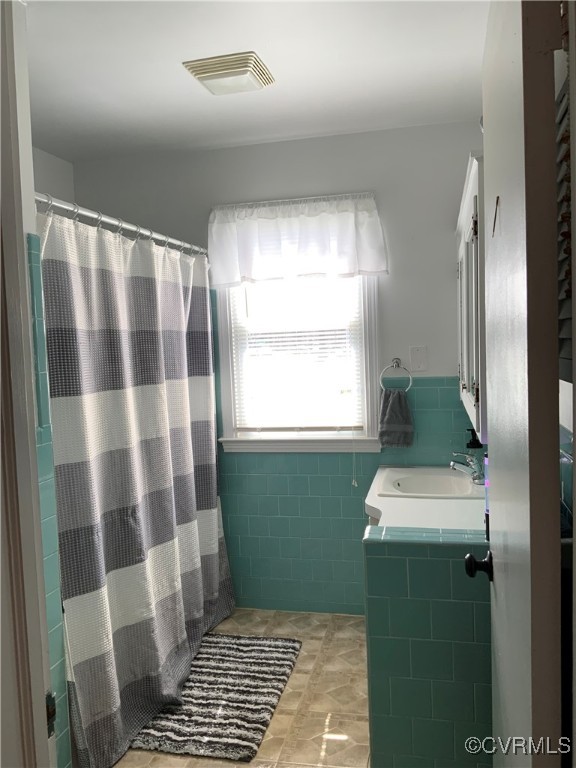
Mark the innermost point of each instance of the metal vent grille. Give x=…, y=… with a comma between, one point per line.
x=231, y=65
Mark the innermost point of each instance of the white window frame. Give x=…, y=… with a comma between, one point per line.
x=299, y=442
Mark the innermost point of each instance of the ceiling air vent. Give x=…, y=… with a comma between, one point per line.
x=233, y=73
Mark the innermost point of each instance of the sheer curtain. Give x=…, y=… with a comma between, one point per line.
x=143, y=561
x=337, y=236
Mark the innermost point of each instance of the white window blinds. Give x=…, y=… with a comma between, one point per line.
x=297, y=355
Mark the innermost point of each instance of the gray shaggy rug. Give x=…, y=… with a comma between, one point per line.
x=228, y=700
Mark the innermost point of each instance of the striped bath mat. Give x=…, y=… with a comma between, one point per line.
x=228, y=700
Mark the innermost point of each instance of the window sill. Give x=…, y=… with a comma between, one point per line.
x=299, y=444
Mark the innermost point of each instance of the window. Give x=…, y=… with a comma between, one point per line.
x=297, y=323
x=297, y=355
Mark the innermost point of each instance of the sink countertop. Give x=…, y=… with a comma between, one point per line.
x=376, y=534
x=425, y=483
x=463, y=509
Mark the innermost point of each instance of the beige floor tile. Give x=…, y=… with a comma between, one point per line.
x=296, y=765
x=320, y=765
x=275, y=735
x=343, y=656
x=299, y=625
x=164, y=760
x=337, y=692
x=347, y=628
x=246, y=621
x=135, y=758
x=258, y=764
x=309, y=654
x=294, y=691
x=321, y=715
x=327, y=740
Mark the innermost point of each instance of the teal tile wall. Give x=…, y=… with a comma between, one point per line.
x=428, y=635
x=294, y=525
x=294, y=521
x=440, y=423
x=48, y=508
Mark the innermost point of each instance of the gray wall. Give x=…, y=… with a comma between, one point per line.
x=416, y=173
x=53, y=176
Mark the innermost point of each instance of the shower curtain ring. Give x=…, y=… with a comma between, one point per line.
x=120, y=226
x=167, y=239
x=138, y=229
x=50, y=204
x=75, y=212
x=99, y=220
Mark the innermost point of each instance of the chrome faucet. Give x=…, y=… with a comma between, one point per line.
x=473, y=468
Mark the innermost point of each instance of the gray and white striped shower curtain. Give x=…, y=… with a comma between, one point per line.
x=143, y=561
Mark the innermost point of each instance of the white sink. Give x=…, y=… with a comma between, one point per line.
x=425, y=497
x=428, y=482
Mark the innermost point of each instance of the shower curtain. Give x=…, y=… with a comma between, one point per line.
x=143, y=562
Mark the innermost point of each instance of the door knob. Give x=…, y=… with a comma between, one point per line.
x=473, y=566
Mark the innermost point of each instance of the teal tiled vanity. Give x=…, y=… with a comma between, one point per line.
x=428, y=637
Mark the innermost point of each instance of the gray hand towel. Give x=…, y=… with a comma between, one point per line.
x=395, y=428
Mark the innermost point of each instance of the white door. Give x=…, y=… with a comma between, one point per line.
x=522, y=374
x=25, y=673
x=11, y=736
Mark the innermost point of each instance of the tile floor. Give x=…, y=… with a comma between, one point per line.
x=322, y=717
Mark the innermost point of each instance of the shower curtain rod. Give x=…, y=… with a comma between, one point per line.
x=123, y=226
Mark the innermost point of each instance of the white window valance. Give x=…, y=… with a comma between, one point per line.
x=336, y=236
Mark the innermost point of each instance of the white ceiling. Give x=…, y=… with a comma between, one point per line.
x=107, y=77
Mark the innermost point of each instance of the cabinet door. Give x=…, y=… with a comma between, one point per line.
x=471, y=299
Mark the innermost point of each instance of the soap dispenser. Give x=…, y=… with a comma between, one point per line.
x=473, y=442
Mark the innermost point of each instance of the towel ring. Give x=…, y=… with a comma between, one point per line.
x=396, y=363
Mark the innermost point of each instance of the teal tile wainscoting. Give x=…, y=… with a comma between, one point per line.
x=48, y=508
x=294, y=525
x=294, y=521
x=428, y=635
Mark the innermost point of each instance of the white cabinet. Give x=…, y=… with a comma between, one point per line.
x=471, y=331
